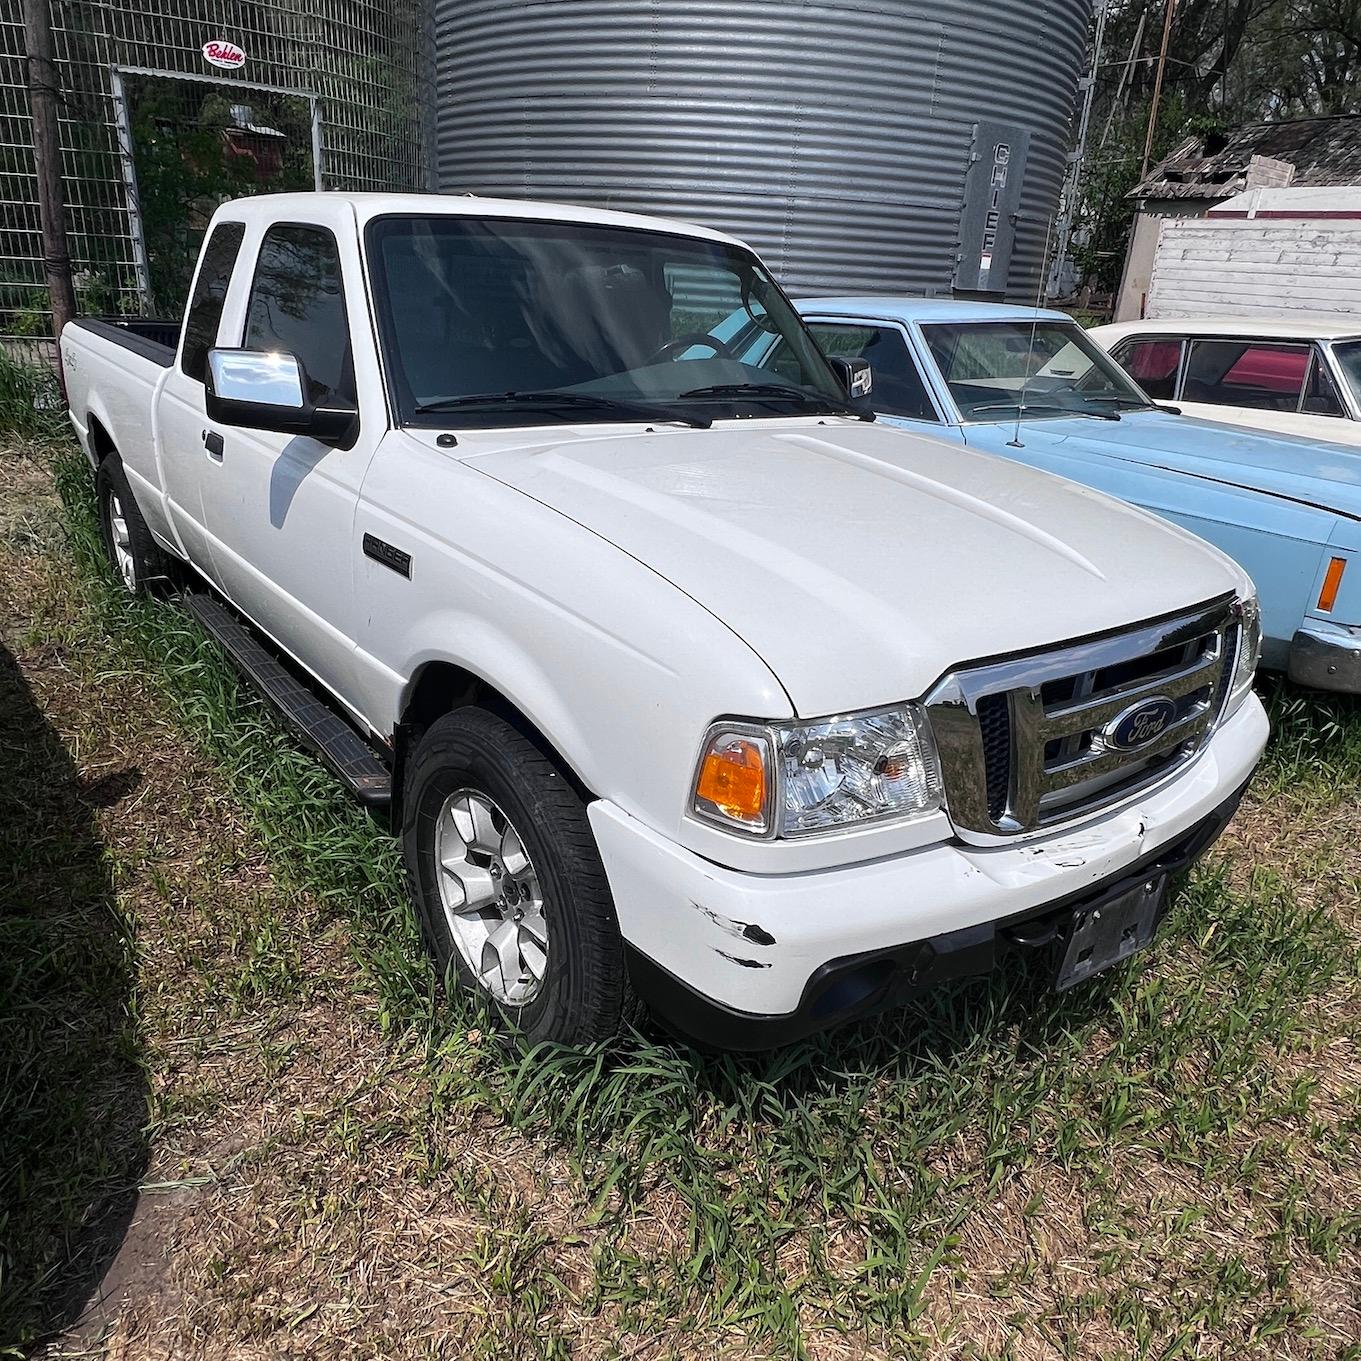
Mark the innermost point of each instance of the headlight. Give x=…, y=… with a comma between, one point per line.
x=1249, y=651
x=793, y=779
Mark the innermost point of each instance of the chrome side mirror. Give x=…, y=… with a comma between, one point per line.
x=256, y=377
x=267, y=390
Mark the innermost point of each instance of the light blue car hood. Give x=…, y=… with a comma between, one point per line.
x=1323, y=475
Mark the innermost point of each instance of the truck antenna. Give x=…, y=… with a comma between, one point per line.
x=1015, y=441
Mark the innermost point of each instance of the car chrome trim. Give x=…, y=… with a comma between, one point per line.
x=1326, y=656
x=1055, y=767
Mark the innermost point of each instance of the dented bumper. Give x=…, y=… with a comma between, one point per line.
x=1326, y=656
x=748, y=961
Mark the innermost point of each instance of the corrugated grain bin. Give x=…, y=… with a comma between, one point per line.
x=859, y=144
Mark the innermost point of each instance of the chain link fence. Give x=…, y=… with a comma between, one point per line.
x=331, y=94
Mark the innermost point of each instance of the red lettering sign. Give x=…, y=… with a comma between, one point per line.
x=224, y=54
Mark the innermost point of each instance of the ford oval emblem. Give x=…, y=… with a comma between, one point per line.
x=1140, y=724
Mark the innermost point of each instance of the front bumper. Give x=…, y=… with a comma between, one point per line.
x=747, y=961
x=1326, y=656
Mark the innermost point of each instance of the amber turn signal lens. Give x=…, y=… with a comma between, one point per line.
x=1332, y=580
x=733, y=780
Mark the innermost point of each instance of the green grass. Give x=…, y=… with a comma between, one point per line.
x=31, y=405
x=1158, y=1164
x=317, y=835
x=1316, y=742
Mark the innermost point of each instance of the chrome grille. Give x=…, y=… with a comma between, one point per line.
x=1033, y=740
x=994, y=724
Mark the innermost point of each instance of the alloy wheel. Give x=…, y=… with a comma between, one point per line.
x=121, y=542
x=491, y=897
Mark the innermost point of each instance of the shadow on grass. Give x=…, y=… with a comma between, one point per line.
x=964, y=1036
x=953, y=1022
x=73, y=1096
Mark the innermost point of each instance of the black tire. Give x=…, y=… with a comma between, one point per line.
x=584, y=994
x=138, y=562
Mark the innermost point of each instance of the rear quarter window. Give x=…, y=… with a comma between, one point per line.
x=210, y=292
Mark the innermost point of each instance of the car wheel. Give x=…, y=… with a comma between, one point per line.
x=508, y=883
x=133, y=554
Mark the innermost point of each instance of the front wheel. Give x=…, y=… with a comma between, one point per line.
x=133, y=554
x=508, y=883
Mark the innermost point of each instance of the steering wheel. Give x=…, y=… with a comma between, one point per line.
x=679, y=344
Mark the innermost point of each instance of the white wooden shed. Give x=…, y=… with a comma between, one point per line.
x=1264, y=252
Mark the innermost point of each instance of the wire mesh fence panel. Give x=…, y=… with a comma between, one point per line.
x=343, y=109
x=193, y=145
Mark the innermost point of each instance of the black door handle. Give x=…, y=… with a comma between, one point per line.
x=212, y=442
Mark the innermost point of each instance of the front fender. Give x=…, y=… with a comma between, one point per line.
x=626, y=721
x=619, y=670
x=504, y=664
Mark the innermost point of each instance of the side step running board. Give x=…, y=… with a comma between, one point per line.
x=324, y=730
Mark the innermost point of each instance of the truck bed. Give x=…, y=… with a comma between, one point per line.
x=149, y=337
x=114, y=367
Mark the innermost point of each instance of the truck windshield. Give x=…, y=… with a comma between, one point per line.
x=997, y=370
x=499, y=321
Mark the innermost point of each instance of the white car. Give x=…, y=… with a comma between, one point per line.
x=1295, y=375
x=680, y=676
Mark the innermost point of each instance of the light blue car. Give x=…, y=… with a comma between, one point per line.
x=1031, y=385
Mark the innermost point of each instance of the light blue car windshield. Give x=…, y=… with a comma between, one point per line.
x=997, y=370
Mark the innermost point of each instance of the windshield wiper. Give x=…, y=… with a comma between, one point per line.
x=1044, y=406
x=552, y=400
x=771, y=392
x=1127, y=403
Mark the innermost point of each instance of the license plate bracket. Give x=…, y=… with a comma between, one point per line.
x=1112, y=930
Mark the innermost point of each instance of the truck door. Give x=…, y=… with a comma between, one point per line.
x=281, y=508
x=180, y=424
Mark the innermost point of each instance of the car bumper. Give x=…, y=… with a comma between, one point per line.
x=746, y=961
x=1325, y=656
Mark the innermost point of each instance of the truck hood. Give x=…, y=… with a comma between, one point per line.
x=862, y=562
x=1318, y=474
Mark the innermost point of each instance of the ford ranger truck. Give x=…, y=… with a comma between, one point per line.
x=682, y=678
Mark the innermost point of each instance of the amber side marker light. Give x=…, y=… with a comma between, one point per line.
x=1332, y=580
x=733, y=780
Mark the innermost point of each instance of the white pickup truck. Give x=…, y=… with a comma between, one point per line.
x=683, y=679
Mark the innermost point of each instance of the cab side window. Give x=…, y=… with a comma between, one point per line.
x=1266, y=375
x=1152, y=363
x=210, y=291
x=297, y=304
x=898, y=386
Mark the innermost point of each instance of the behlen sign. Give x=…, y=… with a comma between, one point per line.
x=221, y=53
